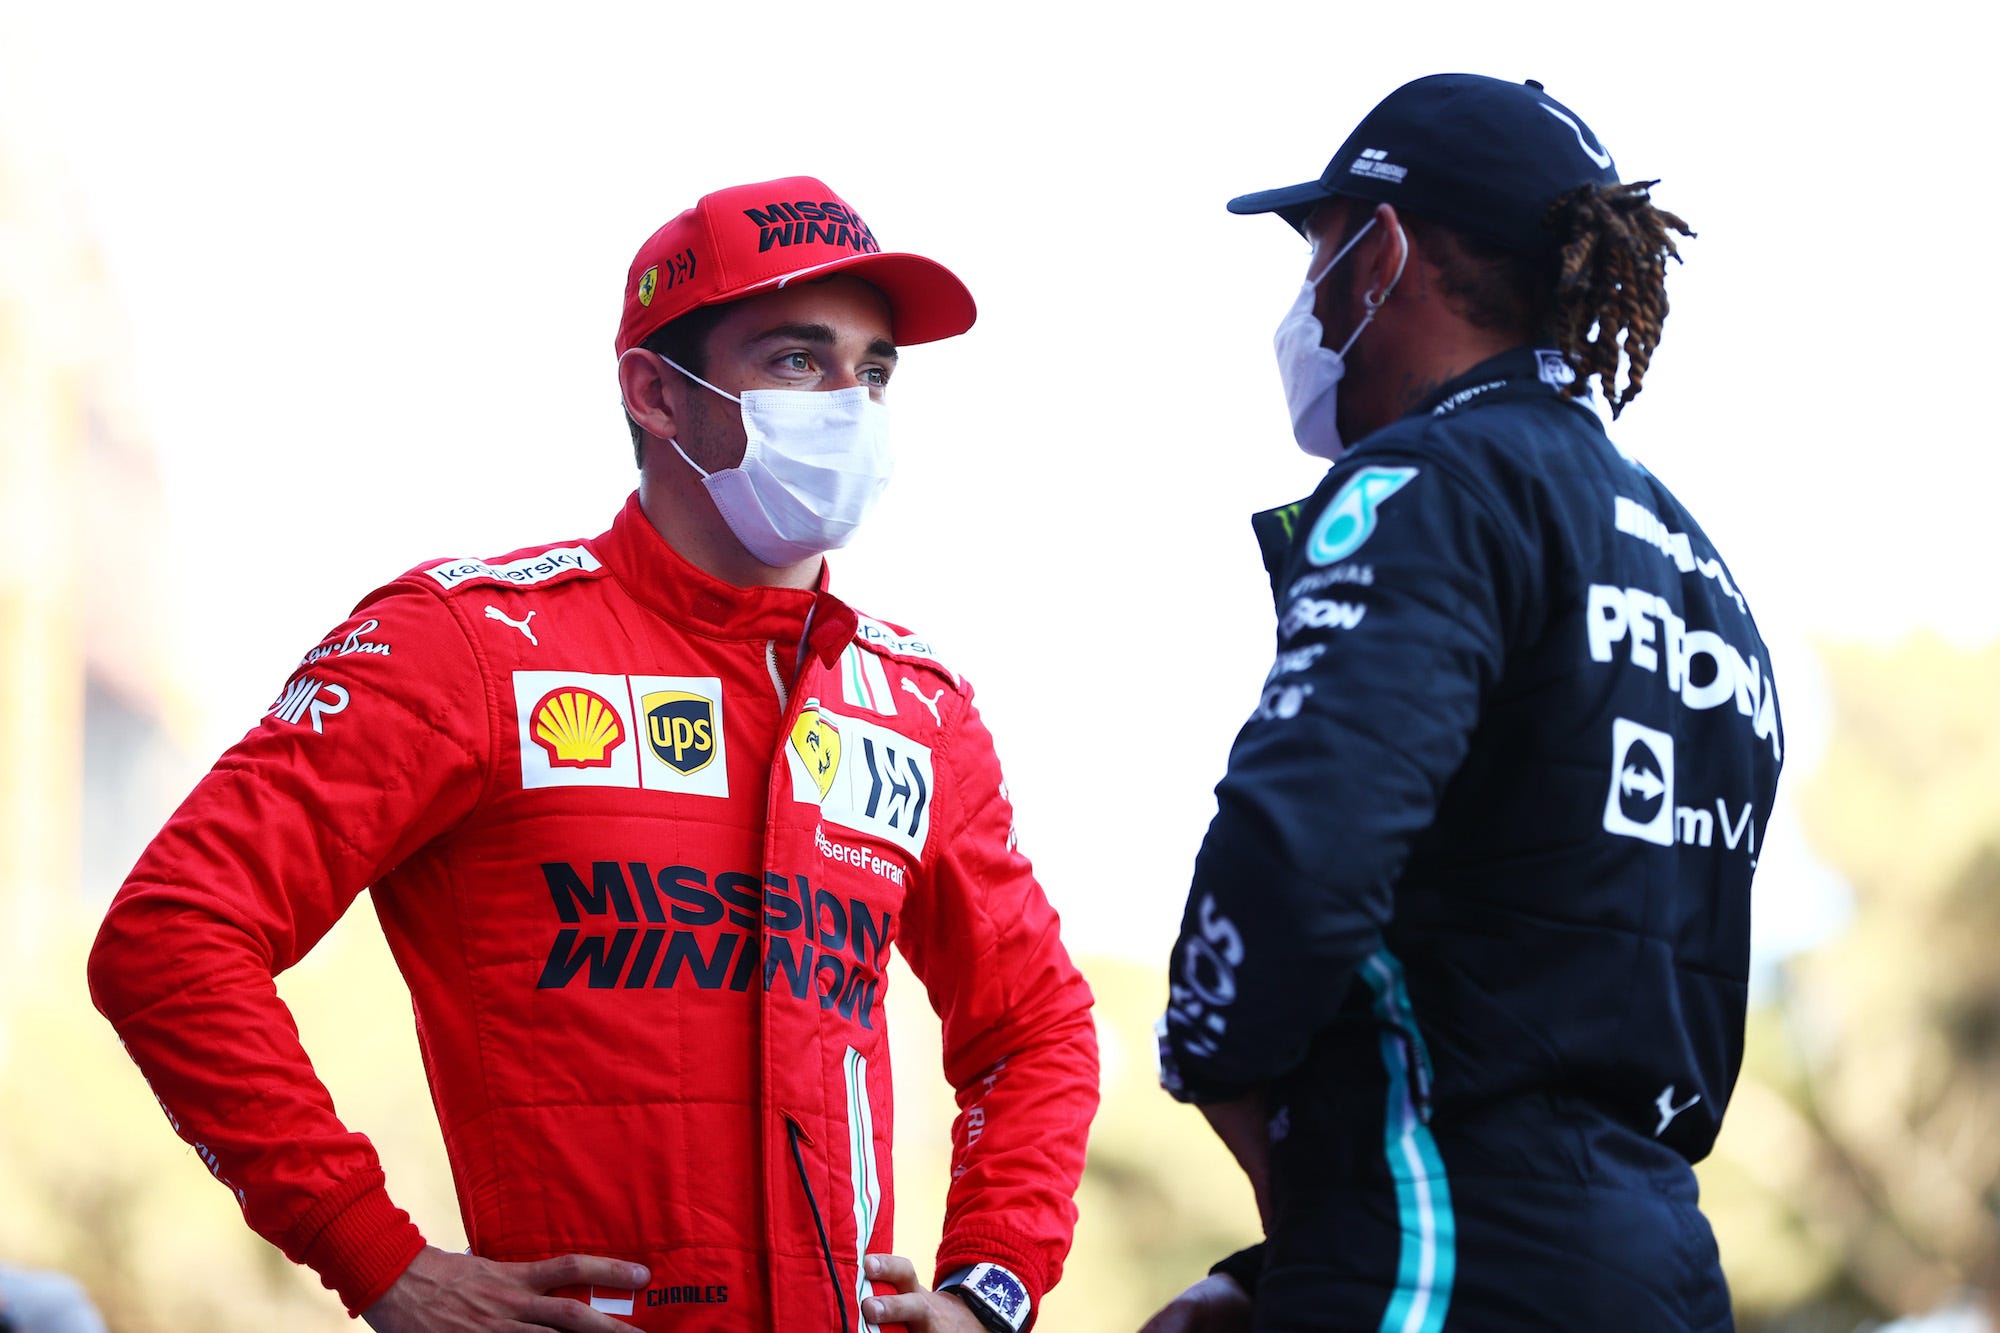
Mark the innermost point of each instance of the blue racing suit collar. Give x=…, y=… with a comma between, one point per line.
x=1518, y=372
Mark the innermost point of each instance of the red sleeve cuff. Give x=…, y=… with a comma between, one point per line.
x=358, y=1242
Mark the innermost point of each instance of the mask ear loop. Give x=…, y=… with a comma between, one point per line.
x=724, y=392
x=1352, y=241
x=1373, y=301
x=699, y=469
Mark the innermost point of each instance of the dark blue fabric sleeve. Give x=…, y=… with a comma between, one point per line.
x=1393, y=610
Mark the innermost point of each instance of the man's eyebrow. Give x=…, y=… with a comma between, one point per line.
x=805, y=333
x=821, y=335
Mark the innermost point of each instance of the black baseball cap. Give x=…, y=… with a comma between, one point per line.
x=1482, y=155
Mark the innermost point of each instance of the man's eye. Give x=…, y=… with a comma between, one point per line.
x=875, y=375
x=799, y=361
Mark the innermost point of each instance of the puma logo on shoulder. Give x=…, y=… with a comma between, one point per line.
x=930, y=703
x=495, y=613
x=1664, y=1103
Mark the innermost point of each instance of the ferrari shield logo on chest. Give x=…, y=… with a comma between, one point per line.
x=863, y=776
x=816, y=741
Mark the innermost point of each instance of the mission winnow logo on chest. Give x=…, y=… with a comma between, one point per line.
x=627, y=925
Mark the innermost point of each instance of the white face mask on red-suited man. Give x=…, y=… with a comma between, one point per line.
x=814, y=465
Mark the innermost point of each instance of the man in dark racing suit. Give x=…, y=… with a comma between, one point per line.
x=1461, y=976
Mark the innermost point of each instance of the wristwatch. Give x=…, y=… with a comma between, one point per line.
x=997, y=1299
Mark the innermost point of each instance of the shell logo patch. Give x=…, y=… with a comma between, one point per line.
x=649, y=281
x=816, y=739
x=577, y=728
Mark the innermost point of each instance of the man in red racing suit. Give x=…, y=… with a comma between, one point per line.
x=642, y=823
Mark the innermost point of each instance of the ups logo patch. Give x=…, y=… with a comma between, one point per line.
x=680, y=729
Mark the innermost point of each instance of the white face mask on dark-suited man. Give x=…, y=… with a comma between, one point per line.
x=1311, y=372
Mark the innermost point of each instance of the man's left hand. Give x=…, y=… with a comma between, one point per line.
x=915, y=1306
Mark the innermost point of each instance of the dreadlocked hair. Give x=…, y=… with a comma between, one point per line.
x=1611, y=291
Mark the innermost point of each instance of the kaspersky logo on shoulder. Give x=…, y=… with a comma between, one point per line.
x=1349, y=520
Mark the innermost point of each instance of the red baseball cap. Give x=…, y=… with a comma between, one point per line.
x=756, y=238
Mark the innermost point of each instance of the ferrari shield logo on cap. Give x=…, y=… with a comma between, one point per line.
x=817, y=741
x=647, y=283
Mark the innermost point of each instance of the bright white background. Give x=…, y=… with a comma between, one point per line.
x=367, y=260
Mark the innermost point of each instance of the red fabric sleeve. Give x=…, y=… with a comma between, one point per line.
x=1020, y=1046
x=377, y=744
